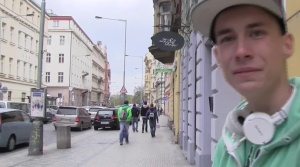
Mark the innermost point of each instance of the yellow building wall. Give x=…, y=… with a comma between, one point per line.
x=292, y=7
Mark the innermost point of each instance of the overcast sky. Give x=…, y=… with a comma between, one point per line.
x=139, y=16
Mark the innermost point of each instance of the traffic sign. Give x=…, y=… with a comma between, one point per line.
x=123, y=90
x=3, y=89
x=0, y=85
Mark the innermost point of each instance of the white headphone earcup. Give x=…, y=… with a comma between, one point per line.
x=259, y=128
x=232, y=124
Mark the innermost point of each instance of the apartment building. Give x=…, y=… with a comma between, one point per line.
x=68, y=64
x=19, y=29
x=98, y=75
x=150, y=79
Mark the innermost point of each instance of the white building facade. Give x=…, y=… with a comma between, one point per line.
x=67, y=66
x=19, y=47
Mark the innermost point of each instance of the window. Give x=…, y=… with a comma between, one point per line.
x=36, y=46
x=47, y=79
x=26, y=118
x=48, y=58
x=35, y=72
x=49, y=41
x=61, y=58
x=10, y=66
x=13, y=116
x=21, y=6
x=62, y=40
x=30, y=67
x=2, y=64
x=31, y=43
x=32, y=17
x=9, y=95
x=55, y=23
x=38, y=20
x=24, y=69
x=12, y=5
x=19, y=37
x=11, y=34
x=165, y=15
x=60, y=77
x=18, y=67
x=25, y=41
x=3, y=30
x=23, y=97
x=27, y=12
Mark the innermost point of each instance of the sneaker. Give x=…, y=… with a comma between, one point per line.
x=121, y=144
x=127, y=142
x=136, y=130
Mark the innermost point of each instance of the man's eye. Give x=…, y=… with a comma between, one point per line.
x=226, y=39
x=257, y=34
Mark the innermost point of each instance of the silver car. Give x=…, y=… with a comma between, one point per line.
x=15, y=128
x=75, y=117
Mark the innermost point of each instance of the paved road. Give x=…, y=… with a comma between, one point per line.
x=101, y=148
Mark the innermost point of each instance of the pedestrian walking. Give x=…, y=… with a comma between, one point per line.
x=252, y=46
x=135, y=118
x=144, y=110
x=152, y=115
x=124, y=116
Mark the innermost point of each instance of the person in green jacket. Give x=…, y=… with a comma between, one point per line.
x=252, y=46
x=124, y=116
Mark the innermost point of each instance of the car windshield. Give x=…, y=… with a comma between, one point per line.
x=94, y=109
x=66, y=111
x=105, y=112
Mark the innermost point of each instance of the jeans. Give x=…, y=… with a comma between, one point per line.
x=135, y=123
x=152, y=127
x=145, y=124
x=124, y=126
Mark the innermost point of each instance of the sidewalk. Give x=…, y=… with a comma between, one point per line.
x=102, y=148
x=143, y=150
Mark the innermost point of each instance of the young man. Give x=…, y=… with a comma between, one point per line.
x=135, y=118
x=152, y=117
x=251, y=47
x=144, y=110
x=124, y=116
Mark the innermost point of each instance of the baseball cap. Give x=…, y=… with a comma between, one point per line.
x=204, y=13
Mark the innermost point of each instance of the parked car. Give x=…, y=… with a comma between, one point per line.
x=106, y=118
x=16, y=105
x=93, y=111
x=15, y=128
x=75, y=117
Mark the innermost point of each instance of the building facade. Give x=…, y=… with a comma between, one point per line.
x=67, y=66
x=107, y=80
x=98, y=75
x=19, y=47
x=150, y=79
x=196, y=88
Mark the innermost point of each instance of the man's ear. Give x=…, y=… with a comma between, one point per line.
x=215, y=51
x=288, y=45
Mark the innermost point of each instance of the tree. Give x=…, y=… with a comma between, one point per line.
x=137, y=95
x=117, y=99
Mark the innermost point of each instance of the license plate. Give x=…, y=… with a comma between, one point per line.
x=104, y=122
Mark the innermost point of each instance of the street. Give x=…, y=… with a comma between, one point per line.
x=101, y=148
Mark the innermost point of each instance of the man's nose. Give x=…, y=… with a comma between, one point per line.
x=242, y=49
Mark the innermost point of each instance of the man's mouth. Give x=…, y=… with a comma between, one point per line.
x=245, y=70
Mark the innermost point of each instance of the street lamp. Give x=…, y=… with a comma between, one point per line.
x=142, y=74
x=125, y=21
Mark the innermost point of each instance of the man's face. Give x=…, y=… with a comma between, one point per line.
x=251, y=49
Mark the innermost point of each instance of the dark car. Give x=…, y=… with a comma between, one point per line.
x=106, y=118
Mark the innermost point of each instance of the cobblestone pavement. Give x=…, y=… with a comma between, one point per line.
x=101, y=148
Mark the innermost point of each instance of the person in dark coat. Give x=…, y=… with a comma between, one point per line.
x=135, y=118
x=144, y=110
x=153, y=118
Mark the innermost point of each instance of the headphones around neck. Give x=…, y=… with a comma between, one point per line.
x=257, y=127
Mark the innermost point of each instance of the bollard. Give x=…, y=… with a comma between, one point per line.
x=63, y=136
x=36, y=139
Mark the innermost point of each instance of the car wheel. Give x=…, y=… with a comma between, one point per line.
x=81, y=127
x=96, y=128
x=11, y=144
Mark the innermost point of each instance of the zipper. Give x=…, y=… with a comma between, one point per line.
x=235, y=158
x=257, y=155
